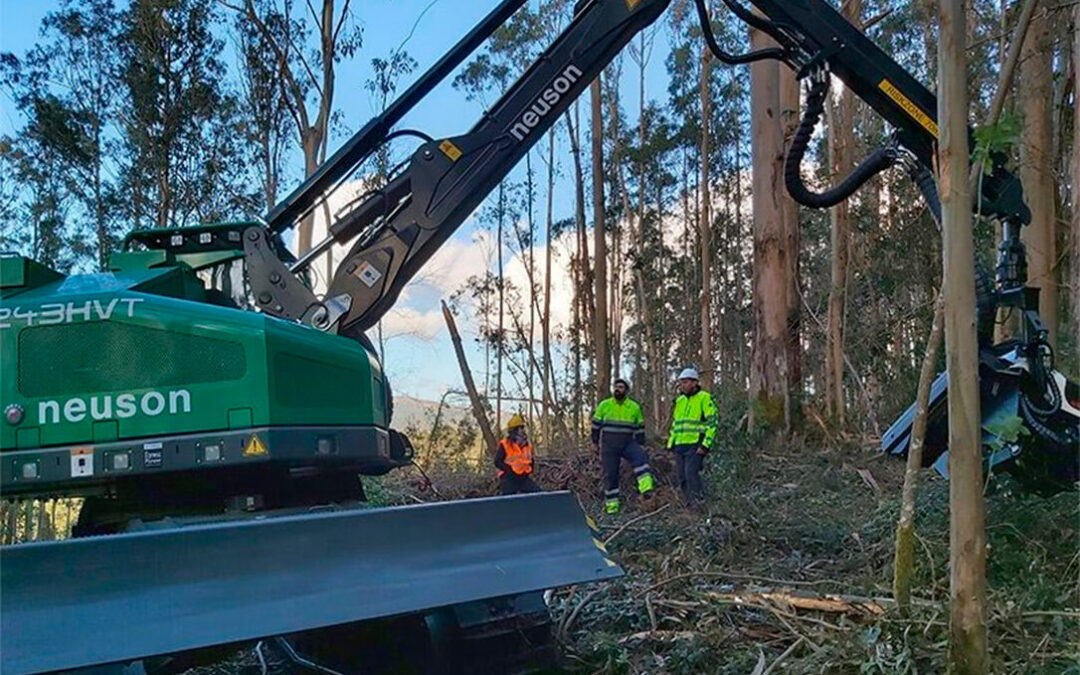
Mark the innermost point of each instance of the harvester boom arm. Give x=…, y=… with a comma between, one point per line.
x=394, y=230
x=400, y=227
x=397, y=228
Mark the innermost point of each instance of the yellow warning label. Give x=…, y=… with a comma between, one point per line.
x=590, y=522
x=915, y=112
x=254, y=447
x=632, y=4
x=599, y=544
x=610, y=562
x=450, y=150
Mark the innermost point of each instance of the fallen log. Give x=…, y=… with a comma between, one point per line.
x=832, y=604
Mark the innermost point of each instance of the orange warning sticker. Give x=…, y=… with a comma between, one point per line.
x=450, y=150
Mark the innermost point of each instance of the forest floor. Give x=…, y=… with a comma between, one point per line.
x=788, y=569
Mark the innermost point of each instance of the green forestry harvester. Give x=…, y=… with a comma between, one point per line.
x=216, y=414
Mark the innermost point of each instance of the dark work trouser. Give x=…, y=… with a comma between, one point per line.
x=513, y=484
x=688, y=466
x=613, y=449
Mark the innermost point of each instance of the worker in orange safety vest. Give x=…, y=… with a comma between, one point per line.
x=514, y=460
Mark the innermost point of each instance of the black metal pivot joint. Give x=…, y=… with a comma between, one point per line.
x=1011, y=271
x=275, y=289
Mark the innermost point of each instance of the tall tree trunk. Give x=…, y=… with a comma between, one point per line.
x=616, y=322
x=1075, y=263
x=104, y=243
x=581, y=282
x=904, y=557
x=600, y=329
x=768, y=381
x=500, y=341
x=531, y=273
x=615, y=303
x=644, y=293
x=470, y=387
x=1037, y=166
x=967, y=539
x=545, y=319
x=739, y=334
x=313, y=132
x=707, y=364
x=789, y=120
x=841, y=148
x=310, y=142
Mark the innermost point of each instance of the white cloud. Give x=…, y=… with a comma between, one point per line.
x=418, y=313
x=407, y=321
x=456, y=261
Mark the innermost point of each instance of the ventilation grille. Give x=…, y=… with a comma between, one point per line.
x=81, y=358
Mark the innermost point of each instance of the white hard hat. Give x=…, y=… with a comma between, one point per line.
x=689, y=374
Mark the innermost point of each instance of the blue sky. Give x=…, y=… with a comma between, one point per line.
x=419, y=366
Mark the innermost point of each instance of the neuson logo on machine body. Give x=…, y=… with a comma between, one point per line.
x=114, y=406
x=545, y=102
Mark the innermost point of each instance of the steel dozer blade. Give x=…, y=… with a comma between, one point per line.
x=84, y=602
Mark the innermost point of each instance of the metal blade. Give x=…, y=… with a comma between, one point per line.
x=99, y=600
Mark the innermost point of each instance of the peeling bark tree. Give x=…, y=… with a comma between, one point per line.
x=789, y=121
x=967, y=539
x=1037, y=165
x=768, y=383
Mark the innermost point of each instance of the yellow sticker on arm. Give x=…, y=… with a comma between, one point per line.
x=450, y=150
x=914, y=112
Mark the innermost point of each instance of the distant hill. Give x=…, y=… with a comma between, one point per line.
x=420, y=413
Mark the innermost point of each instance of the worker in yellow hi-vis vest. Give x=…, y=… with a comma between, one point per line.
x=693, y=430
x=618, y=432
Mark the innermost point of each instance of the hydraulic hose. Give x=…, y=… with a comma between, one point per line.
x=1031, y=417
x=718, y=51
x=924, y=179
x=881, y=159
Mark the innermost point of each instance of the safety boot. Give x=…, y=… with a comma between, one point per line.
x=645, y=485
